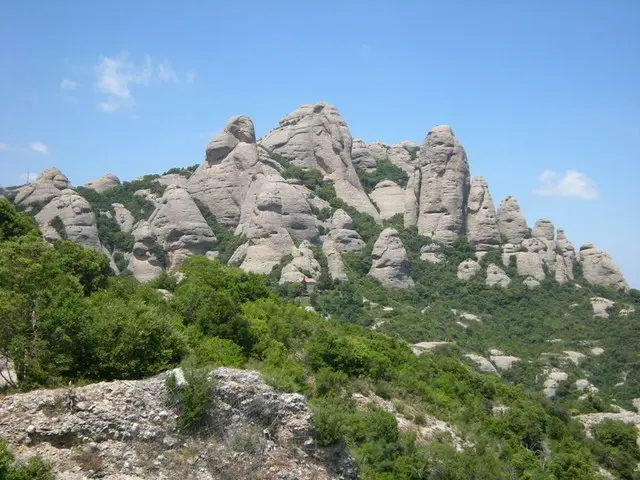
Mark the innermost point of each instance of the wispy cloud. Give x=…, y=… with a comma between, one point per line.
x=67, y=84
x=116, y=76
x=4, y=146
x=191, y=77
x=28, y=177
x=39, y=147
x=166, y=73
x=572, y=184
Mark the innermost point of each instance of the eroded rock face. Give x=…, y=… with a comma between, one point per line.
x=49, y=184
x=529, y=259
x=125, y=426
x=412, y=199
x=223, y=179
x=482, y=223
x=317, y=137
x=390, y=263
x=103, y=183
x=361, y=155
x=565, y=258
x=445, y=186
x=173, y=179
x=511, y=221
x=543, y=229
x=388, y=197
x=601, y=306
x=468, y=269
x=75, y=215
x=304, y=265
x=334, y=259
x=344, y=238
x=482, y=363
x=599, y=268
x=432, y=253
x=123, y=217
x=497, y=276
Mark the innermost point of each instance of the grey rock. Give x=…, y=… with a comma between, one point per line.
x=511, y=221
x=173, y=179
x=482, y=223
x=445, y=186
x=468, y=269
x=335, y=264
x=143, y=263
x=529, y=259
x=503, y=362
x=223, y=179
x=404, y=155
x=49, y=184
x=601, y=306
x=599, y=268
x=482, y=363
x=317, y=137
x=497, y=276
x=543, y=229
x=123, y=217
x=390, y=263
x=76, y=216
x=361, y=156
x=412, y=199
x=304, y=265
x=103, y=183
x=388, y=197
x=347, y=241
x=432, y=253
x=565, y=258
x=552, y=382
x=341, y=220
x=422, y=347
x=584, y=385
x=531, y=282
x=379, y=151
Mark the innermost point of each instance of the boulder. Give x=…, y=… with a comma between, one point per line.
x=75, y=216
x=511, y=221
x=529, y=259
x=317, y=137
x=341, y=220
x=379, y=151
x=552, y=382
x=482, y=223
x=422, y=347
x=390, y=263
x=574, y=357
x=361, y=156
x=597, y=351
x=173, y=179
x=49, y=184
x=599, y=268
x=144, y=262
x=123, y=217
x=601, y=306
x=543, y=229
x=497, y=276
x=304, y=265
x=223, y=179
x=344, y=238
x=432, y=253
x=468, y=269
x=584, y=386
x=531, y=282
x=482, y=363
x=503, y=362
x=445, y=186
x=388, y=197
x=103, y=183
x=335, y=264
x=404, y=155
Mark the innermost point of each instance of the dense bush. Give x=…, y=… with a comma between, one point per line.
x=34, y=469
x=227, y=241
x=385, y=170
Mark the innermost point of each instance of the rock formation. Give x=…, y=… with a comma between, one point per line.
x=412, y=199
x=565, y=258
x=511, y=221
x=599, y=269
x=73, y=214
x=390, y=264
x=304, y=265
x=334, y=259
x=445, y=186
x=361, y=156
x=482, y=363
x=388, y=197
x=223, y=179
x=432, y=253
x=317, y=137
x=497, y=276
x=342, y=234
x=103, y=183
x=123, y=217
x=482, y=224
x=468, y=269
x=49, y=184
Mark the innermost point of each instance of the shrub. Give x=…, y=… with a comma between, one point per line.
x=385, y=170
x=193, y=399
x=34, y=469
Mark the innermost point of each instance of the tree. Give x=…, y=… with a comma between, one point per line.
x=13, y=223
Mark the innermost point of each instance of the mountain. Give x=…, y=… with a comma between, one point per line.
x=400, y=288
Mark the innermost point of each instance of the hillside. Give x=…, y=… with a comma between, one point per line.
x=432, y=334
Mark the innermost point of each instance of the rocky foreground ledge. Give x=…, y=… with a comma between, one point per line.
x=124, y=430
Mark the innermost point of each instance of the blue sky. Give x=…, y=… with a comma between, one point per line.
x=534, y=90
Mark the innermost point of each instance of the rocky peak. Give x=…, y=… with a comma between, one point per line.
x=341, y=219
x=103, y=183
x=445, y=185
x=49, y=184
x=361, y=156
x=317, y=137
x=388, y=196
x=599, y=268
x=390, y=263
x=511, y=221
x=543, y=229
x=482, y=224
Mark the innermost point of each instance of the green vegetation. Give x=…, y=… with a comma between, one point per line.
x=34, y=469
x=184, y=171
x=193, y=399
x=227, y=241
x=385, y=170
x=58, y=226
x=65, y=319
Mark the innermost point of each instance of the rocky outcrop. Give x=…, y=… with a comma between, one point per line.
x=404, y=155
x=511, y=222
x=423, y=347
x=497, y=276
x=72, y=213
x=124, y=430
x=123, y=217
x=565, y=258
x=468, y=269
x=361, y=156
x=432, y=253
x=103, y=183
x=543, y=229
x=599, y=268
x=335, y=264
x=601, y=306
x=304, y=265
x=529, y=259
x=412, y=199
x=482, y=223
x=482, y=363
x=342, y=234
x=173, y=179
x=445, y=186
x=145, y=262
x=223, y=179
x=390, y=263
x=503, y=362
x=49, y=184
x=317, y=137
x=388, y=197
x=552, y=382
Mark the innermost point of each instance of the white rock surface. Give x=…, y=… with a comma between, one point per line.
x=552, y=382
x=503, y=362
x=412, y=199
x=422, y=347
x=584, y=385
x=599, y=268
x=597, y=351
x=304, y=265
x=388, y=197
x=482, y=363
x=103, y=183
x=334, y=259
x=123, y=217
x=432, y=253
x=468, y=269
x=482, y=223
x=565, y=258
x=497, y=276
x=390, y=263
x=511, y=221
x=49, y=184
x=601, y=306
x=575, y=357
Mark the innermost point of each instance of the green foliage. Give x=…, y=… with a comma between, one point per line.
x=193, y=399
x=385, y=170
x=184, y=171
x=33, y=469
x=58, y=226
x=13, y=223
x=227, y=241
x=617, y=434
x=111, y=236
x=309, y=177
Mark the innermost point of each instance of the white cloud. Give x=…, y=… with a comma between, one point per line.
x=39, y=147
x=166, y=73
x=28, y=177
x=115, y=77
x=191, y=77
x=572, y=184
x=67, y=84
